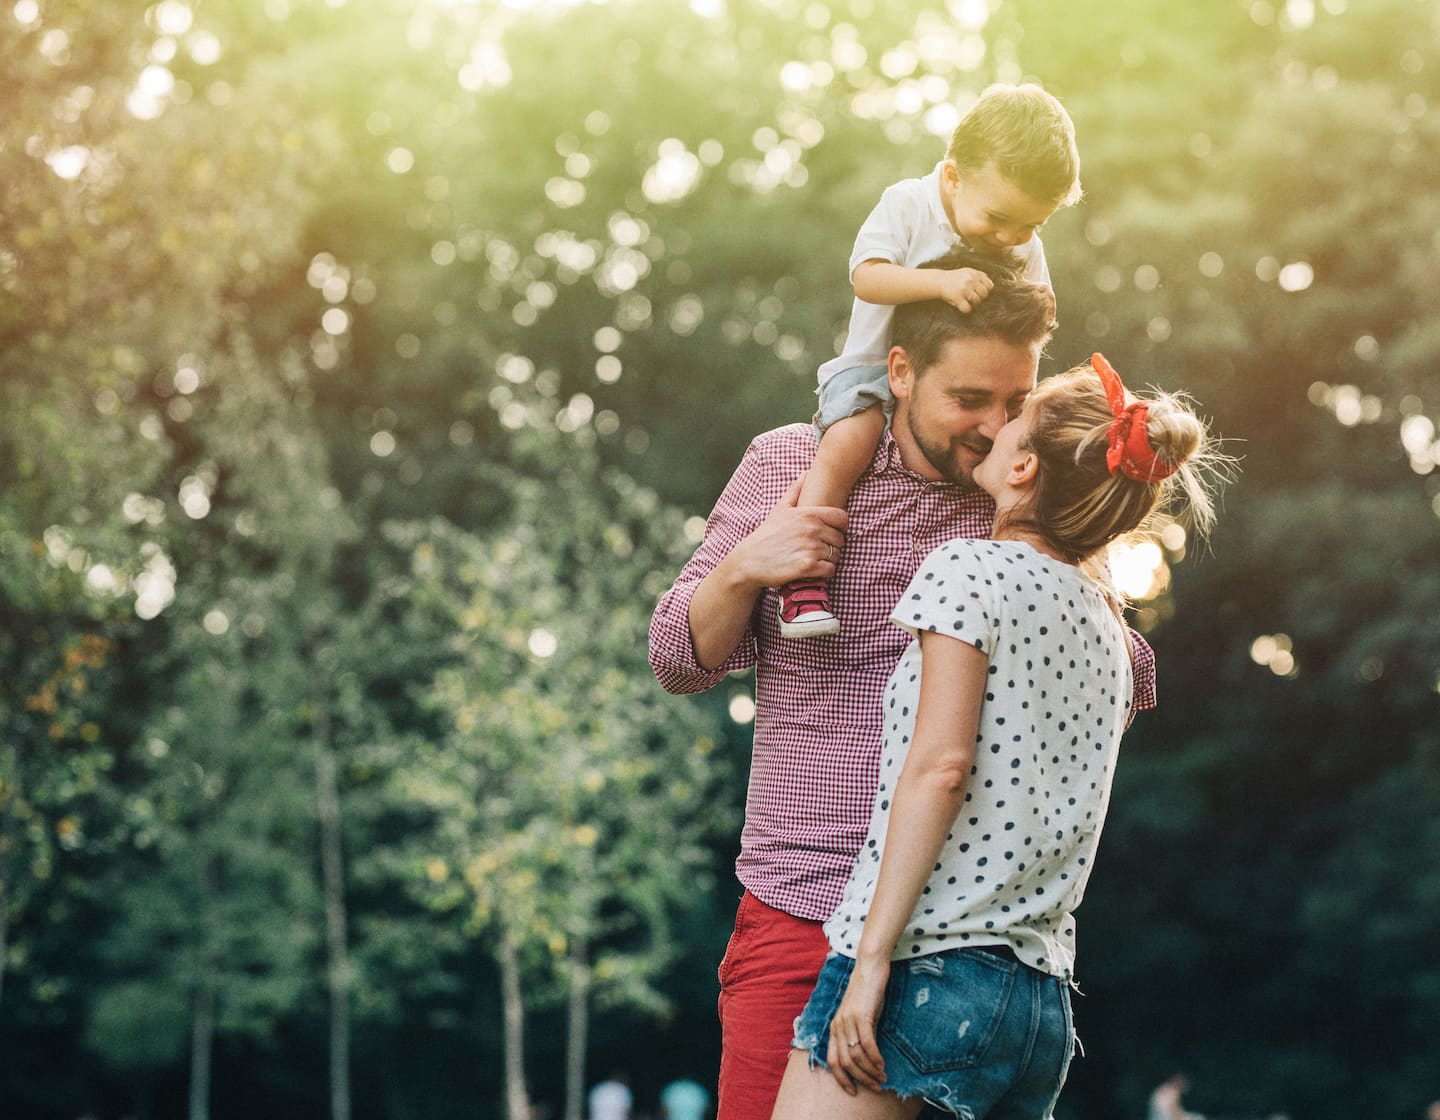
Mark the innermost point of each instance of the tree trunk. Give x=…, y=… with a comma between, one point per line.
x=202, y=1044
x=327, y=809
x=517, y=1100
x=579, y=1022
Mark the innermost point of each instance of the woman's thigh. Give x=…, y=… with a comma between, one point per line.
x=808, y=1092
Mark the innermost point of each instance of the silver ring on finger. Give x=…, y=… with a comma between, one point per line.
x=830, y=559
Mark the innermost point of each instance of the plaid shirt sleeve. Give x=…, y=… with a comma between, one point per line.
x=752, y=492
x=1144, y=668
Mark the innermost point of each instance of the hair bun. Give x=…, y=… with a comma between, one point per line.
x=1176, y=433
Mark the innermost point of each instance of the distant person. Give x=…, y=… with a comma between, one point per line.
x=1165, y=1103
x=952, y=951
x=611, y=1099
x=684, y=1100
x=1011, y=162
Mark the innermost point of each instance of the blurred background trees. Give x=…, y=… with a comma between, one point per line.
x=366, y=367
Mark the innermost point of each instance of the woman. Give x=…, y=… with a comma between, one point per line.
x=952, y=951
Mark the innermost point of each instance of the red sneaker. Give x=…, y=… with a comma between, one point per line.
x=805, y=610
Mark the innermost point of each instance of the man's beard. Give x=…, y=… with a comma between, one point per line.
x=942, y=455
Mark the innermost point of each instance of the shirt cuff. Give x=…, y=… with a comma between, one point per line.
x=672, y=649
x=1144, y=670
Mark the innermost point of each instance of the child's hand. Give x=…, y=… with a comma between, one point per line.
x=963, y=288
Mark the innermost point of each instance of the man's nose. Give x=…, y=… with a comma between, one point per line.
x=993, y=420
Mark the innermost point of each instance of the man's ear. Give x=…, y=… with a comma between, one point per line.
x=902, y=376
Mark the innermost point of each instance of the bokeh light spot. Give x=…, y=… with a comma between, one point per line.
x=542, y=643
x=1296, y=276
x=742, y=708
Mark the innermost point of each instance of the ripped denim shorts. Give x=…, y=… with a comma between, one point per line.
x=973, y=1031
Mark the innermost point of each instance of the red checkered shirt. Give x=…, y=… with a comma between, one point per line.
x=816, y=753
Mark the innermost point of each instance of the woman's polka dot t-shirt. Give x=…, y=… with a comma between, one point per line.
x=1058, y=692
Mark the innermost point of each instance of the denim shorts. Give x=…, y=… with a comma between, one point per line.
x=853, y=390
x=975, y=1033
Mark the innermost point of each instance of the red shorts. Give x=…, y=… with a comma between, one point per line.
x=767, y=976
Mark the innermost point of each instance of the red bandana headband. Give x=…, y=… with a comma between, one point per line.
x=1129, y=451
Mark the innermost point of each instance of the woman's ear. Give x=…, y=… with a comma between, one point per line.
x=1024, y=471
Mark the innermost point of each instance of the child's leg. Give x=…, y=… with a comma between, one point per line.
x=808, y=1093
x=851, y=427
x=846, y=449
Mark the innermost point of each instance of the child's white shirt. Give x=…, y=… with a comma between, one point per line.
x=908, y=227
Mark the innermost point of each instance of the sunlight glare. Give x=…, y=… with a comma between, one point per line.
x=673, y=175
x=172, y=17
x=1300, y=13
x=1138, y=568
x=1296, y=276
x=69, y=163
x=972, y=14
x=487, y=66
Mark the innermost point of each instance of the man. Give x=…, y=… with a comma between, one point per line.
x=956, y=379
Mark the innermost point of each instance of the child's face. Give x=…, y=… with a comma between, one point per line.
x=989, y=212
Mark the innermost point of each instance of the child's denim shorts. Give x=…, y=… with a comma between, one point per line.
x=853, y=390
x=973, y=1031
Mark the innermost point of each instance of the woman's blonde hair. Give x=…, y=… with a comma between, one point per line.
x=1076, y=504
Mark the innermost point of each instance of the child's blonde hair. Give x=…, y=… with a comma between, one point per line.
x=1076, y=504
x=1029, y=137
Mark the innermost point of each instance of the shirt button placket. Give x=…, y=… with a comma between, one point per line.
x=929, y=521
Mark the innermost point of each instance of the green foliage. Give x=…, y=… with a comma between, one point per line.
x=355, y=380
x=561, y=771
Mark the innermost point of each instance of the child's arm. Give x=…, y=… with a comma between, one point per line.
x=884, y=282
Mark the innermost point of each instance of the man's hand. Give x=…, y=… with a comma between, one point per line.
x=964, y=288
x=793, y=542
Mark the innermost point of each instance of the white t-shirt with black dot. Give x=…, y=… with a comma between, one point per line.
x=1058, y=694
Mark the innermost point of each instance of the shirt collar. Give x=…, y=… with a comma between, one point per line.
x=936, y=203
x=887, y=461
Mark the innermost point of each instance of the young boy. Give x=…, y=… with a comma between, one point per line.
x=1011, y=163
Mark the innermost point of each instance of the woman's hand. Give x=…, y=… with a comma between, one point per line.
x=854, y=1055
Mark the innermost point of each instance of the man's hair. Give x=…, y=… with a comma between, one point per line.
x=1029, y=137
x=1018, y=311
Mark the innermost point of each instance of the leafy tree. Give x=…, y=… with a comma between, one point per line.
x=562, y=772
